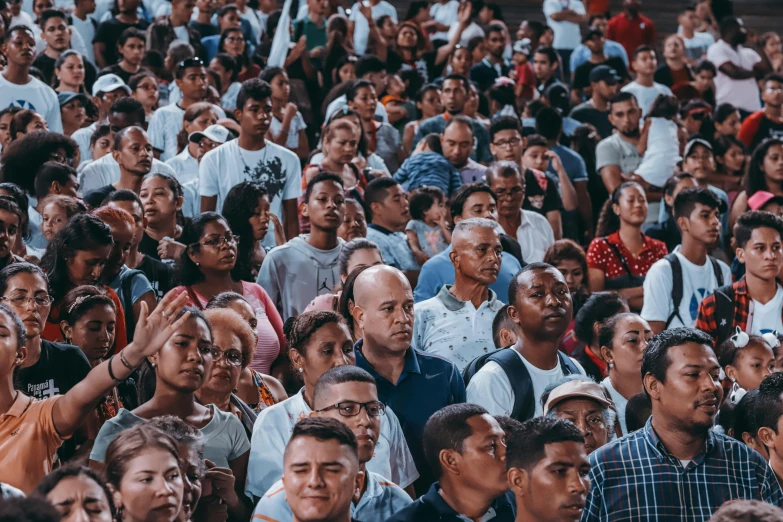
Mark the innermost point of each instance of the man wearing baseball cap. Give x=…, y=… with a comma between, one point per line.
x=106, y=90
x=594, y=40
x=604, y=85
x=186, y=164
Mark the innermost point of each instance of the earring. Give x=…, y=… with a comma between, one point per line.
x=198, y=264
x=610, y=366
x=301, y=370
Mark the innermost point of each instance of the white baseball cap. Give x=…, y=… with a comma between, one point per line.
x=109, y=83
x=216, y=133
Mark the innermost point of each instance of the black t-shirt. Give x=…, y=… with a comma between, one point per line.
x=109, y=32
x=586, y=113
x=149, y=247
x=582, y=73
x=94, y=198
x=158, y=273
x=46, y=65
x=538, y=199
x=119, y=71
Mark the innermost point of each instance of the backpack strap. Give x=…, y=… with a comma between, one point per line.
x=676, y=288
x=567, y=365
x=620, y=257
x=716, y=269
x=521, y=384
x=724, y=313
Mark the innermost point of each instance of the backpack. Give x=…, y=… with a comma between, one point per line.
x=127, y=300
x=516, y=371
x=724, y=313
x=677, y=283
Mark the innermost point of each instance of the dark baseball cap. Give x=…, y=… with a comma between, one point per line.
x=604, y=73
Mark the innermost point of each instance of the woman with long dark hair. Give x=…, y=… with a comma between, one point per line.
x=620, y=255
x=428, y=105
x=765, y=172
x=206, y=270
x=162, y=198
x=232, y=42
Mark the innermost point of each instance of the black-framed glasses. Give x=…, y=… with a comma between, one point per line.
x=19, y=301
x=219, y=241
x=61, y=158
x=513, y=142
x=233, y=357
x=352, y=409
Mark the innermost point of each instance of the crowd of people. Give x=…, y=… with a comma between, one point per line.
x=328, y=264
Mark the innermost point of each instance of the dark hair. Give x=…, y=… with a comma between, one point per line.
x=727, y=351
x=608, y=221
x=15, y=269
x=135, y=80
x=503, y=94
x=224, y=299
x=500, y=322
x=567, y=250
x=83, y=232
x=594, y=17
x=22, y=201
x=622, y=97
x=747, y=510
x=537, y=140
x=447, y=429
x=50, y=172
x=129, y=444
x=299, y=329
x=773, y=77
x=671, y=185
x=513, y=286
x=637, y=411
x=368, y=64
x=376, y=191
x=347, y=295
x=350, y=95
x=27, y=509
x=100, y=131
x=753, y=219
x=244, y=58
x=724, y=143
x=48, y=15
x=755, y=178
x=345, y=112
x=229, y=63
x=599, y=307
x=641, y=49
x=549, y=52
x=131, y=32
x=502, y=123
x=433, y=143
x=527, y=445
x=174, y=186
x=325, y=429
x=253, y=89
x=188, y=272
x=549, y=123
x=422, y=199
x=21, y=331
x=705, y=65
x=608, y=328
x=191, y=113
x=746, y=416
x=319, y=178
x=459, y=120
x=20, y=121
x=240, y=204
x=269, y=73
x=9, y=205
x=348, y=250
x=664, y=107
x=722, y=112
x=460, y=78
x=81, y=300
x=474, y=42
x=770, y=405
x=687, y=200
x=53, y=479
x=655, y=360
x=28, y=153
x=340, y=375
x=457, y=205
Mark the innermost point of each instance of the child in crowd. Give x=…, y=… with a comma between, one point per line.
x=56, y=211
x=660, y=142
x=428, y=233
x=746, y=360
x=288, y=125
x=523, y=72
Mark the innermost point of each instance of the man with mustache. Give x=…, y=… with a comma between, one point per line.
x=677, y=447
x=547, y=469
x=540, y=305
x=349, y=395
x=413, y=383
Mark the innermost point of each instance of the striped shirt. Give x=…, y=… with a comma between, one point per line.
x=636, y=479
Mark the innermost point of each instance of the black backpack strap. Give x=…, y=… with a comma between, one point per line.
x=717, y=270
x=521, y=384
x=724, y=313
x=676, y=287
x=567, y=365
x=618, y=255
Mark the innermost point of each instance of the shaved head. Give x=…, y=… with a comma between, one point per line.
x=384, y=309
x=374, y=280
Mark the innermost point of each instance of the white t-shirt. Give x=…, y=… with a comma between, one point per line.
x=272, y=430
x=646, y=95
x=165, y=125
x=768, y=317
x=34, y=95
x=182, y=33
x=276, y=167
x=82, y=138
x=297, y=124
x=698, y=282
x=229, y=100
x=23, y=19
x=491, y=388
x=191, y=206
x=446, y=14
x=468, y=34
x=696, y=47
x=361, y=32
x=185, y=167
x=86, y=29
x=567, y=34
x=534, y=235
x=106, y=171
x=743, y=94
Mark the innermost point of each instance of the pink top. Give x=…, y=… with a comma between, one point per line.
x=270, y=324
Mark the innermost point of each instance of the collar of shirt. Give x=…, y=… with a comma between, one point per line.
x=20, y=405
x=655, y=442
x=615, y=240
x=411, y=363
x=445, y=511
x=380, y=229
x=453, y=304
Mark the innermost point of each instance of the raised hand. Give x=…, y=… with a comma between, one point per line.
x=154, y=329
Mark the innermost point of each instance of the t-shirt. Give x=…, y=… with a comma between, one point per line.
x=139, y=285
x=185, y=166
x=572, y=162
x=696, y=47
x=82, y=138
x=109, y=32
x=34, y=95
x=567, y=34
x=159, y=275
x=586, y=113
x=387, y=144
x=698, y=282
x=541, y=199
x=165, y=125
x=119, y=71
x=60, y=368
x=106, y=171
x=297, y=124
x=646, y=95
x=768, y=317
x=225, y=439
x=394, y=247
x=614, y=150
x=582, y=73
x=535, y=235
x=743, y=94
x=757, y=127
x=361, y=32
x=491, y=388
x=94, y=198
x=276, y=167
x=446, y=14
x=431, y=240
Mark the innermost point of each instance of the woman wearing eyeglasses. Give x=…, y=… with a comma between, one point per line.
x=205, y=268
x=168, y=382
x=232, y=42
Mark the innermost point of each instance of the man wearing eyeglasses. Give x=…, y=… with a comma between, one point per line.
x=349, y=395
x=768, y=122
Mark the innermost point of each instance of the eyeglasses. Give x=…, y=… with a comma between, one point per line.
x=60, y=158
x=235, y=39
x=41, y=301
x=219, y=241
x=513, y=142
x=233, y=357
x=352, y=409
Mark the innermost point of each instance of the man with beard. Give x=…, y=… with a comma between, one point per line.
x=617, y=157
x=108, y=33
x=739, y=67
x=494, y=65
x=681, y=377
x=675, y=285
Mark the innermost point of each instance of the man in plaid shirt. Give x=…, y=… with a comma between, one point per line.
x=756, y=306
x=676, y=468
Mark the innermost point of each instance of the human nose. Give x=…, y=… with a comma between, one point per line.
x=577, y=483
x=314, y=479
x=97, y=270
x=552, y=299
x=79, y=515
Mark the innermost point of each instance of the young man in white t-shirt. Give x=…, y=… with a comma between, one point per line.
x=757, y=298
x=697, y=212
x=18, y=88
x=252, y=158
x=541, y=308
x=564, y=17
x=644, y=87
x=696, y=44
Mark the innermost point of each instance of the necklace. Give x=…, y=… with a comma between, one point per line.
x=262, y=161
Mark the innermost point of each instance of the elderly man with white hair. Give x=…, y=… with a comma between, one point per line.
x=457, y=323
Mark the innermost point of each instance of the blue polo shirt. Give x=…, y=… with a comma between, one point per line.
x=427, y=383
x=439, y=271
x=432, y=507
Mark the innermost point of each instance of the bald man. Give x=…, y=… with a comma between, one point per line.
x=413, y=383
x=133, y=153
x=457, y=323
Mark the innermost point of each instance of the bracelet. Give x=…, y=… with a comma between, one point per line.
x=111, y=373
x=125, y=362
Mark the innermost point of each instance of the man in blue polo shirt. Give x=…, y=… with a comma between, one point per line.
x=412, y=383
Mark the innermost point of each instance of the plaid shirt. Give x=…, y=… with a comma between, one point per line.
x=636, y=479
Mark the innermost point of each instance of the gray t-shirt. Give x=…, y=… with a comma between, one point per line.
x=387, y=143
x=616, y=151
x=431, y=240
x=224, y=436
